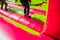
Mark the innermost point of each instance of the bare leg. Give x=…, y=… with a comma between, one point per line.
x=5, y=5
x=2, y=5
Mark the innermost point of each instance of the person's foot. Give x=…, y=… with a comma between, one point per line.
x=28, y=16
x=6, y=9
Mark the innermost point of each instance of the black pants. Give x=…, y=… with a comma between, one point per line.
x=26, y=7
x=2, y=5
x=26, y=10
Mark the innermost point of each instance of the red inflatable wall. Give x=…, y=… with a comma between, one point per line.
x=53, y=20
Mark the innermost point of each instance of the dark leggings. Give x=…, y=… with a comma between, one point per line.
x=26, y=9
x=5, y=5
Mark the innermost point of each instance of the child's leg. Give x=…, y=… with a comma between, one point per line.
x=5, y=5
x=25, y=10
x=2, y=5
x=28, y=9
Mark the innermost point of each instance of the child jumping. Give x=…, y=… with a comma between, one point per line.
x=26, y=4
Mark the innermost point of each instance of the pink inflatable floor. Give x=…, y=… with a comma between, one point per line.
x=10, y=32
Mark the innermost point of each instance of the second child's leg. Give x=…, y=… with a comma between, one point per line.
x=2, y=5
x=5, y=5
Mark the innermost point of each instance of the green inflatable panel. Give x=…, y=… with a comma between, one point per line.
x=15, y=10
x=39, y=17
